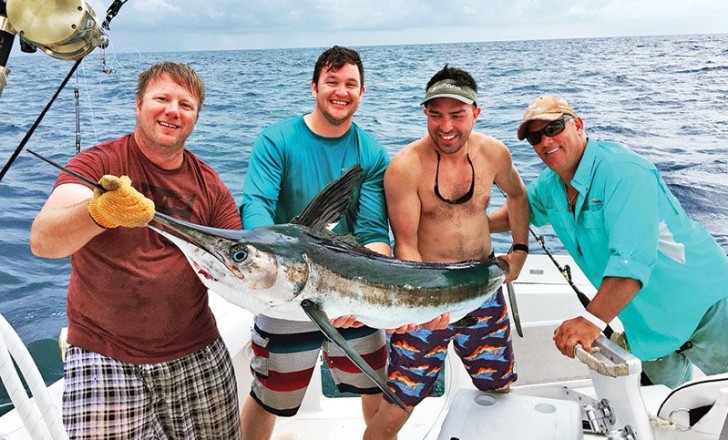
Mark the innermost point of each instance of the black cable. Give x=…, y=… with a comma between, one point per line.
x=566, y=272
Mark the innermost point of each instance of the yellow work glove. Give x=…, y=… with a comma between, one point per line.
x=120, y=204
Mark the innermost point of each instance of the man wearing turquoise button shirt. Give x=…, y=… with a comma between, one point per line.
x=661, y=273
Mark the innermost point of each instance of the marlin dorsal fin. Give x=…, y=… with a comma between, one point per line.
x=331, y=202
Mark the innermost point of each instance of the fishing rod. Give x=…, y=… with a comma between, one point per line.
x=566, y=272
x=40, y=117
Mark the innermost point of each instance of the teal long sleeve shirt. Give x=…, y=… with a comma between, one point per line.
x=627, y=224
x=289, y=165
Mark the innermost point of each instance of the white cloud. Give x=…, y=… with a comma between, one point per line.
x=153, y=12
x=238, y=24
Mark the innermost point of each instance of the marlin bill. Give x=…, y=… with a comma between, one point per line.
x=279, y=269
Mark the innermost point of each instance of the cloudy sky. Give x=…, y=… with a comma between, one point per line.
x=171, y=25
x=174, y=25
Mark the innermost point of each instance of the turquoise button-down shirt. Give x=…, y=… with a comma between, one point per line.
x=627, y=224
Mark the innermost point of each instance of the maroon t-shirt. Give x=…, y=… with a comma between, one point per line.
x=132, y=294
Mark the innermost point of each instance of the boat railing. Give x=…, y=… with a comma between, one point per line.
x=40, y=414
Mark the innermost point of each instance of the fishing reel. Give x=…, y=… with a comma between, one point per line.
x=63, y=29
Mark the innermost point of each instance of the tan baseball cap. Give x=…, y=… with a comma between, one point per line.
x=544, y=108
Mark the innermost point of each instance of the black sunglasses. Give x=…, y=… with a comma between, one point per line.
x=550, y=130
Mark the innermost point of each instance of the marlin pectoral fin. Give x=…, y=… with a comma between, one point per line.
x=319, y=318
x=331, y=202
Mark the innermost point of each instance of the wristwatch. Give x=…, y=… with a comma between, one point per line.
x=519, y=247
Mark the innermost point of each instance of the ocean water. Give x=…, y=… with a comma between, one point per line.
x=664, y=97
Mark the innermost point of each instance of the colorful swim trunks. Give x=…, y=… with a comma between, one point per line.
x=485, y=348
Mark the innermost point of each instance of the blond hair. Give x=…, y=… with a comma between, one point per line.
x=180, y=73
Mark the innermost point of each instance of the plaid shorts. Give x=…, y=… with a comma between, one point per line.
x=283, y=362
x=416, y=358
x=194, y=397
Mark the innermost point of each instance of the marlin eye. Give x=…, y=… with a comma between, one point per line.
x=239, y=254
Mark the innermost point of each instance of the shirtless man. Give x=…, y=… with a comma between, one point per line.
x=437, y=190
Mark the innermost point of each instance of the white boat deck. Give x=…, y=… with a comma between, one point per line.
x=542, y=398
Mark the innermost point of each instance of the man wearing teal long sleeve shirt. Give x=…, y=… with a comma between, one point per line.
x=662, y=274
x=290, y=163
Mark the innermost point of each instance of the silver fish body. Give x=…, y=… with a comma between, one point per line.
x=272, y=270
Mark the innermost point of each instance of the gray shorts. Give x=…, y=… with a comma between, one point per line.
x=708, y=351
x=194, y=397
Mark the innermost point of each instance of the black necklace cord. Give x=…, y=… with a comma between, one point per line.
x=465, y=197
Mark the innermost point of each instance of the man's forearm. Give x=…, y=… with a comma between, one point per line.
x=518, y=216
x=613, y=295
x=59, y=232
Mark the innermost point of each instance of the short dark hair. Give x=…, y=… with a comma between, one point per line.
x=459, y=76
x=180, y=73
x=334, y=59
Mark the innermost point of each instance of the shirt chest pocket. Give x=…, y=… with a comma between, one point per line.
x=593, y=219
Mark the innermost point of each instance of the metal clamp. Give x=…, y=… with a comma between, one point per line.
x=599, y=416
